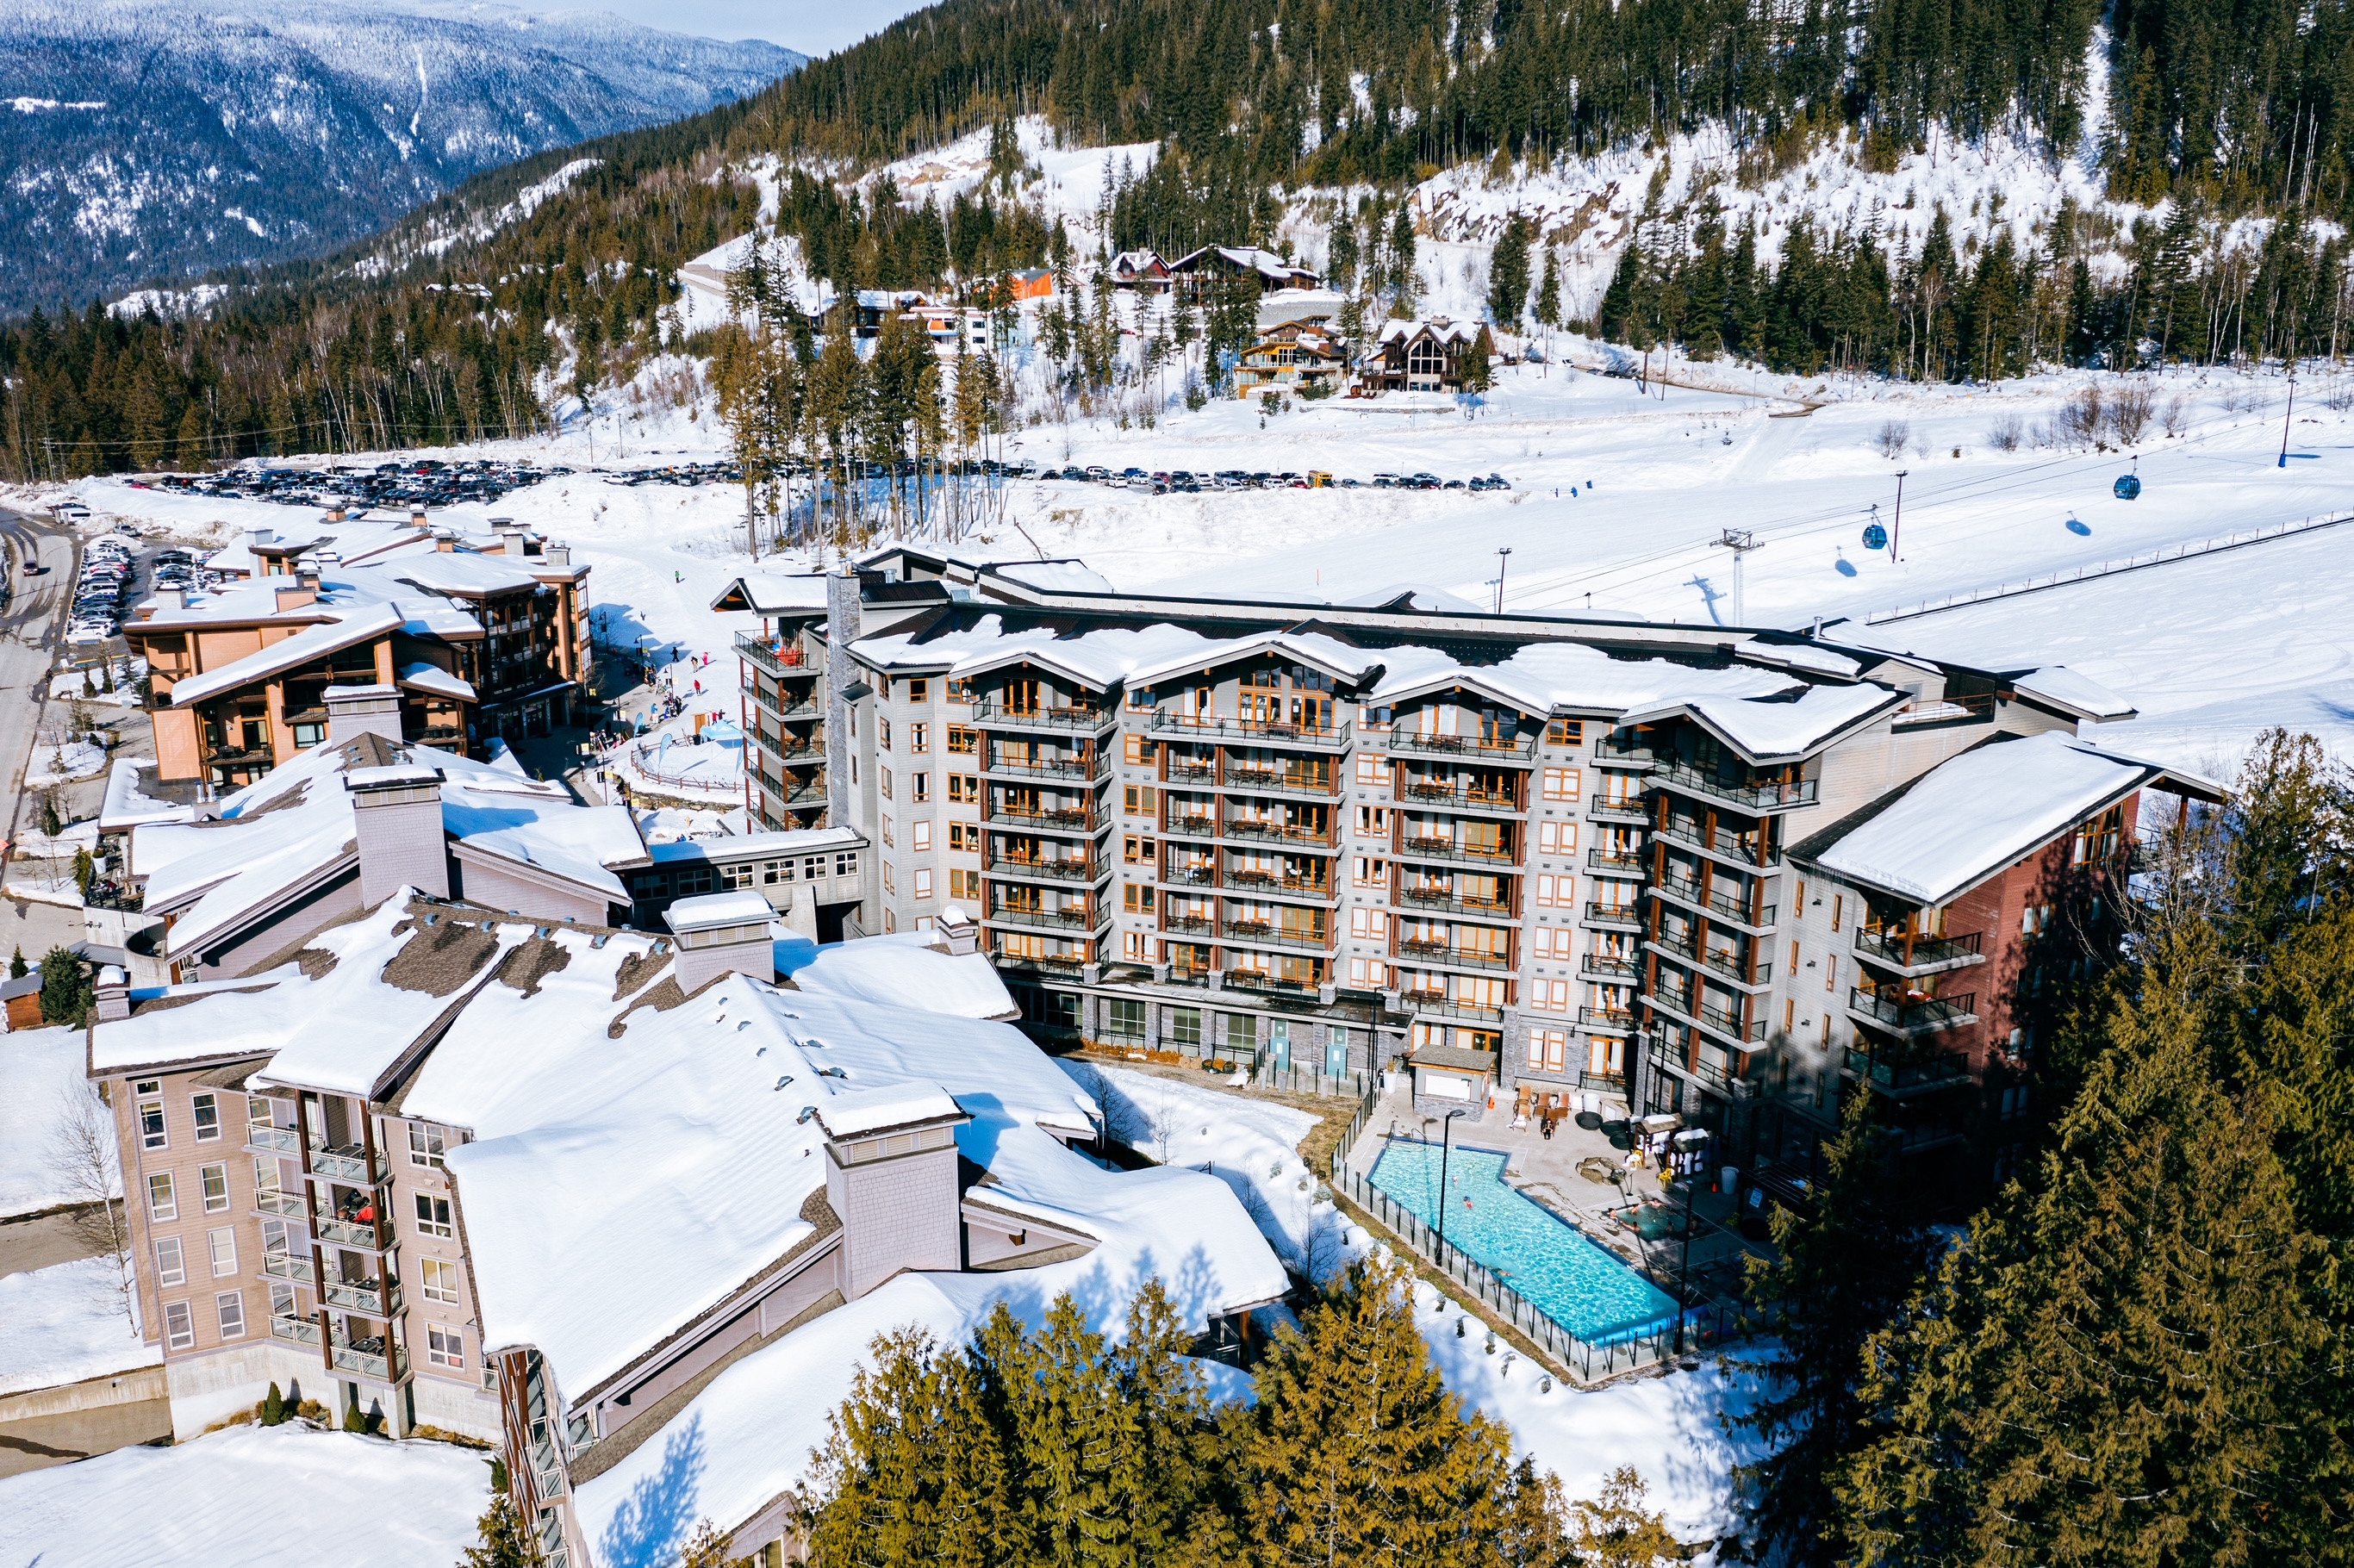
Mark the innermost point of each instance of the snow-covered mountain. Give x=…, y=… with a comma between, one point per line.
x=143, y=140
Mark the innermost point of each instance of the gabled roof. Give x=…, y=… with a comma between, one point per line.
x=310, y=643
x=2080, y=697
x=774, y=593
x=1770, y=730
x=1978, y=814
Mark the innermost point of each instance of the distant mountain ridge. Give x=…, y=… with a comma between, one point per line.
x=141, y=139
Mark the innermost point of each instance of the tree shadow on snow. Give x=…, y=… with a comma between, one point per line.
x=650, y=1528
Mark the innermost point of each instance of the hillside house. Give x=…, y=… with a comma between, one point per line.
x=1424, y=356
x=1293, y=356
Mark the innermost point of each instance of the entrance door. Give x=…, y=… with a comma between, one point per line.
x=1336, y=1052
x=1279, y=1044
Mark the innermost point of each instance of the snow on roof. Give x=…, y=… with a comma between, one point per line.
x=616, y=1189
x=755, y=1426
x=423, y=677
x=1970, y=817
x=706, y=911
x=1774, y=729
x=776, y=593
x=735, y=846
x=127, y=805
x=1808, y=656
x=2075, y=693
x=315, y=641
x=1099, y=658
x=1444, y=331
x=459, y=571
x=903, y=970
x=1335, y=657
x=193, y=1502
x=1410, y=595
x=863, y=1111
x=1542, y=676
x=1056, y=577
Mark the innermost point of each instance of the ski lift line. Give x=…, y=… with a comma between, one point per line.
x=2105, y=568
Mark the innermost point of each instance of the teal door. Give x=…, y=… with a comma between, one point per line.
x=1336, y=1052
x=1278, y=1045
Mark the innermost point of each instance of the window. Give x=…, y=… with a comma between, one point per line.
x=890, y=917
x=854, y=768
x=282, y=1301
x=277, y=1236
x=964, y=885
x=693, y=879
x=964, y=838
x=1135, y=898
x=1185, y=1026
x=1136, y=947
x=1793, y=956
x=161, y=1202
x=923, y=883
x=214, y=1179
x=1790, y=1017
x=886, y=833
x=1136, y=800
x=179, y=1325
x=920, y=690
x=919, y=738
x=882, y=732
x=1136, y=850
x=2097, y=840
x=1370, y=925
x=230, y=1307
x=1837, y=904
x=2034, y=919
x=920, y=835
x=1374, y=770
x=732, y=877
x=1557, y=892
x=445, y=1347
x=152, y=1133
x=266, y=1178
x=963, y=738
x=885, y=781
x=171, y=1266
x=1548, y=1050
x=882, y=683
x=439, y=1279
x=1369, y=974
x=1242, y=1033
x=433, y=1216
x=1556, y=838
x=1140, y=699
x=1372, y=872
x=846, y=864
x=964, y=789
x=1556, y=942
x=205, y=1110
x=962, y=692
x=888, y=885
x=920, y=788
x=1139, y=751
x=1565, y=731
x=427, y=1144
x=221, y=1245
x=1562, y=783
x=1372, y=822
x=1552, y=995
x=813, y=868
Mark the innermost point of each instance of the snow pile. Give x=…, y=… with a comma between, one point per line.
x=56, y=762
x=383, y=1504
x=66, y=1323
x=39, y=1069
x=901, y=970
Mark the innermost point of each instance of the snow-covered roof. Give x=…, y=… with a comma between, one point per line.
x=315, y=641
x=903, y=970
x=1777, y=728
x=736, y=846
x=773, y=593
x=1971, y=817
x=711, y=910
x=1414, y=597
x=1541, y=677
x=459, y=572
x=423, y=677
x=2079, y=695
x=1440, y=328
x=127, y=805
x=864, y=1111
x=1055, y=576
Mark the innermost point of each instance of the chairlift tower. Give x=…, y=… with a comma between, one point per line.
x=1740, y=540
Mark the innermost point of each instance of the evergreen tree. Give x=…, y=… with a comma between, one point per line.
x=1616, y=1530
x=1356, y=1453
x=1841, y=1270
x=1549, y=292
x=504, y=1541
x=17, y=968
x=1508, y=272
x=66, y=994
x=273, y=1407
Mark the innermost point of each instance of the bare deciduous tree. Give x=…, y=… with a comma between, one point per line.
x=82, y=1160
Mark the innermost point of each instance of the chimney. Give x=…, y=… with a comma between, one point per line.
x=445, y=541
x=720, y=932
x=255, y=538
x=558, y=555
x=417, y=516
x=171, y=598
x=305, y=591
x=891, y=1178
x=356, y=711
x=334, y=512
x=396, y=818
x=958, y=934
x=114, y=991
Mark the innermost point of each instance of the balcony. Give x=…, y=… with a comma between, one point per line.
x=1279, y=985
x=1458, y=797
x=1047, y=919
x=1434, y=847
x=1191, y=771
x=1716, y=961
x=1943, y=1070
x=1319, y=838
x=348, y=1163
x=772, y=655
x=287, y=1265
x=1610, y=752
x=371, y=1358
x=373, y=1297
x=1499, y=749
x=1441, y=899
x=1450, y=956
x=1438, y=1004
x=1610, y=864
x=1189, y=925
x=1059, y=870
x=1751, y=797
x=1047, y=819
x=1725, y=846
x=343, y=1232
x=301, y=1331
x=1712, y=1073
x=1329, y=737
x=1052, y=721
x=1275, y=884
x=1722, y=906
x=1618, y=808
x=1271, y=934
x=281, y=1204
x=1918, y=1015
x=1191, y=825
x=1610, y=972
x=263, y=1139
x=1245, y=779
x=1068, y=964
x=1915, y=955
x=1610, y=1020
x=1613, y=916
x=804, y=792
x=1090, y=767
x=797, y=707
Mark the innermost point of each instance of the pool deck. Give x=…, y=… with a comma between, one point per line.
x=1545, y=1170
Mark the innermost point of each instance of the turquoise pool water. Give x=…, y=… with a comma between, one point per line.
x=1577, y=1284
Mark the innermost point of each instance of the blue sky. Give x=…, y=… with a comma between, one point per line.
x=812, y=26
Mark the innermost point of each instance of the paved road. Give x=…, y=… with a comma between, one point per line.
x=29, y=621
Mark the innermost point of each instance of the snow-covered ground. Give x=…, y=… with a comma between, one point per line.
x=39, y=1068
x=257, y=1497
x=66, y=1323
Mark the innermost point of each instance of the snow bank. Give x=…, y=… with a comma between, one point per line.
x=38, y=1068
x=66, y=1323
x=256, y=1497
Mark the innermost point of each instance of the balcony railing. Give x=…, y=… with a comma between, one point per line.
x=1434, y=847
x=1612, y=753
x=1942, y=1070
x=343, y=1232
x=1261, y=979
x=1764, y=797
x=1617, y=917
x=1279, y=834
x=1716, y=960
x=1070, y=720
x=1619, y=1018
x=1253, y=730
x=1072, y=870
x=1269, y=934
x=1611, y=865
x=1188, y=770
x=1726, y=844
x=1443, y=898
x=1619, y=808
x=1189, y=925
x=374, y=1298
x=1242, y=779
x=287, y=1265
x=272, y=1139
x=1191, y=825
x=349, y=1163
x=1438, y=1004
x=1275, y=884
x=1086, y=768
x=1048, y=919
x=285, y=1204
x=1730, y=1024
x=390, y=1366
x=1923, y=1016
x=1715, y=1076
x=772, y=654
x=1052, y=963
x=1715, y=902
x=302, y=1330
x=1438, y=792
x=1920, y=955
x=1456, y=956
x=1047, y=819
x=1514, y=748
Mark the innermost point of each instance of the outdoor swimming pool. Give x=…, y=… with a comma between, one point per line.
x=1578, y=1285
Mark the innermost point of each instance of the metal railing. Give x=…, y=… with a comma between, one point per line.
x=1047, y=819
x=377, y=1299
x=769, y=656
x=1431, y=847
x=385, y=1367
x=1046, y=919
x=1924, y=952
x=1915, y=1017
x=1726, y=844
x=1438, y=1004
x=1191, y=825
x=1614, y=864
x=1715, y=902
x=1476, y=908
x=1715, y=960
x=349, y=1168
x=1311, y=838
x=278, y=1201
x=1448, y=953
x=1261, y=732
x=1253, y=932
x=1623, y=970
x=997, y=715
x=1247, y=780
x=1519, y=747
x=302, y=1330
x=1608, y=1018
x=1089, y=768
x=1939, y=1071
x=1621, y=916
x=343, y=1232
x=1619, y=808
x=286, y=1266
x=1260, y=979
x=1053, y=963
x=1754, y=797
x=272, y=1139
x=1427, y=793
x=1047, y=870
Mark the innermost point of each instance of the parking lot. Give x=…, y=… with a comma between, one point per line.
x=413, y=481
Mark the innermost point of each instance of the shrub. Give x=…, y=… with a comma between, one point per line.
x=1892, y=438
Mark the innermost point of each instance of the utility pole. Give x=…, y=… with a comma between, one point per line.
x=1896, y=530
x=1503, y=559
x=2289, y=413
x=1740, y=540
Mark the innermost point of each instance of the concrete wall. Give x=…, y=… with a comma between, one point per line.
x=211, y=1388
x=135, y=1387
x=470, y=1412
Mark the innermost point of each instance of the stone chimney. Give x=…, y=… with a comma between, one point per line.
x=113, y=990
x=891, y=1178
x=396, y=818
x=356, y=711
x=257, y=538
x=721, y=932
x=171, y=598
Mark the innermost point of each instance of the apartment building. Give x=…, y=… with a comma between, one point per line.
x=477, y=636
x=1520, y=855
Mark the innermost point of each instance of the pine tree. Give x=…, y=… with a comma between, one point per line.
x=1549, y=292
x=17, y=968
x=66, y=995
x=273, y=1407
x=504, y=1542
x=1356, y=1453
x=1508, y=272
x=1616, y=1530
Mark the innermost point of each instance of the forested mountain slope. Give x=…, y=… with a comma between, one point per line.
x=2209, y=149
x=148, y=140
